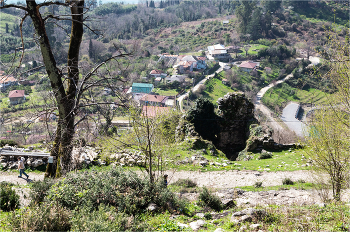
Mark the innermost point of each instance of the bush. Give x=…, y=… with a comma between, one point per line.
x=185, y=183
x=210, y=200
x=3, y=142
x=39, y=190
x=9, y=199
x=115, y=187
x=106, y=218
x=45, y=217
x=258, y=184
x=265, y=155
x=287, y=181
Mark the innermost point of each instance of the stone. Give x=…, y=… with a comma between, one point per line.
x=219, y=230
x=243, y=228
x=182, y=225
x=37, y=163
x=245, y=218
x=255, y=226
x=200, y=215
x=152, y=207
x=203, y=163
x=228, y=203
x=196, y=225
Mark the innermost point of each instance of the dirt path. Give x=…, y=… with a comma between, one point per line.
x=12, y=177
x=215, y=179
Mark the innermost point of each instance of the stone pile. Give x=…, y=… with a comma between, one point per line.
x=128, y=159
x=10, y=162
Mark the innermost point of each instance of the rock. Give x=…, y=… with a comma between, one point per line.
x=200, y=215
x=228, y=203
x=152, y=207
x=255, y=226
x=203, y=163
x=197, y=224
x=37, y=163
x=182, y=225
x=219, y=230
x=4, y=165
x=243, y=228
x=245, y=218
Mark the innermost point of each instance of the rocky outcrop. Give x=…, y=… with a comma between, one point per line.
x=237, y=113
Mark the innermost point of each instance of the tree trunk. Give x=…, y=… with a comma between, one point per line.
x=66, y=100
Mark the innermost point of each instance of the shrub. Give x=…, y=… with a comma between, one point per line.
x=208, y=216
x=3, y=142
x=9, y=199
x=114, y=187
x=287, y=181
x=185, y=183
x=210, y=200
x=39, y=190
x=44, y=217
x=106, y=218
x=265, y=155
x=258, y=184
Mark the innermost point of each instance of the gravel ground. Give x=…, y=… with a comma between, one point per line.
x=225, y=182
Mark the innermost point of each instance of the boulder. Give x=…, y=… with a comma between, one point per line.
x=37, y=163
x=196, y=225
x=152, y=207
x=228, y=203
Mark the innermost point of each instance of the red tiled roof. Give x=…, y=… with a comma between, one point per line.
x=4, y=79
x=156, y=71
x=248, y=65
x=16, y=93
x=153, y=98
x=201, y=58
x=153, y=111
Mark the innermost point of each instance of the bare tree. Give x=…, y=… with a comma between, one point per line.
x=70, y=90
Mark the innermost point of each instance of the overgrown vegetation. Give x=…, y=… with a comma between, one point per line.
x=9, y=199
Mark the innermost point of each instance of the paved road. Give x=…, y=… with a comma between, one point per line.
x=289, y=117
x=266, y=111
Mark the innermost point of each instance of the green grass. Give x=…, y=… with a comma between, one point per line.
x=170, y=92
x=215, y=89
x=9, y=19
x=253, y=47
x=281, y=95
x=297, y=185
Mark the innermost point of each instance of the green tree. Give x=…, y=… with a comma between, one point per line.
x=329, y=129
x=244, y=13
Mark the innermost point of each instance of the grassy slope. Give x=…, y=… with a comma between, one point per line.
x=281, y=95
x=9, y=19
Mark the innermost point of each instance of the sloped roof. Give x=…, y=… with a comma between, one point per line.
x=156, y=71
x=248, y=64
x=153, y=98
x=16, y=93
x=189, y=58
x=201, y=58
x=4, y=79
x=153, y=111
x=185, y=63
x=142, y=85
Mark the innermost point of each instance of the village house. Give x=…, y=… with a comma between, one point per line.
x=178, y=78
x=153, y=100
x=7, y=80
x=218, y=51
x=139, y=89
x=16, y=97
x=157, y=73
x=248, y=66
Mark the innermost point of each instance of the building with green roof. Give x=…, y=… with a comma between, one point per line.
x=142, y=88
